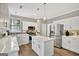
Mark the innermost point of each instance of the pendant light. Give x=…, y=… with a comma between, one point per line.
x=38, y=12
x=44, y=17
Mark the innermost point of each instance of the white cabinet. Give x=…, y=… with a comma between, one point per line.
x=48, y=48
x=22, y=39
x=71, y=43
x=75, y=45
x=66, y=43
x=36, y=46
x=15, y=25
x=43, y=48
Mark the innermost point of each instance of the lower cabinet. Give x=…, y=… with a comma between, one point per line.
x=71, y=43
x=66, y=43
x=36, y=46
x=22, y=39
x=75, y=45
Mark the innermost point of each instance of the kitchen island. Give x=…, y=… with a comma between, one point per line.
x=43, y=46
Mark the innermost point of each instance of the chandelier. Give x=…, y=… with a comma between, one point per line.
x=38, y=12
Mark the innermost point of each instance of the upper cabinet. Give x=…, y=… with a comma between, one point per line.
x=15, y=25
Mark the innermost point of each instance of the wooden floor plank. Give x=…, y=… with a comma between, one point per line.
x=26, y=50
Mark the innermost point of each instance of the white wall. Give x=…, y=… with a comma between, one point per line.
x=69, y=23
x=4, y=15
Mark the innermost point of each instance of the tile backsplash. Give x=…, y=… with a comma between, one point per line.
x=72, y=32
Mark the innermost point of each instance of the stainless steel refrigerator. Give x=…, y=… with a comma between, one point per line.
x=57, y=34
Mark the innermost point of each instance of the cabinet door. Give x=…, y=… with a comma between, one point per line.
x=48, y=48
x=25, y=38
x=75, y=45
x=19, y=39
x=34, y=44
x=66, y=42
x=58, y=41
x=38, y=47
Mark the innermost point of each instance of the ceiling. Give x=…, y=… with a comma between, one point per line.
x=52, y=9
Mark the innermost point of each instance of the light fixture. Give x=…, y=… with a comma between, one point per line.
x=38, y=20
x=38, y=12
x=44, y=17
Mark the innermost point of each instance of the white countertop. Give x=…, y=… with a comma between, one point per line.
x=75, y=36
x=71, y=36
x=43, y=38
x=8, y=44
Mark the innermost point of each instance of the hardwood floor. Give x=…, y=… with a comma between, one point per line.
x=26, y=50
x=64, y=52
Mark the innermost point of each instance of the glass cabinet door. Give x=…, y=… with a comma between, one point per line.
x=15, y=25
